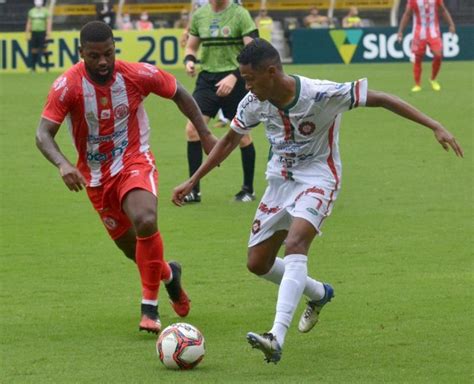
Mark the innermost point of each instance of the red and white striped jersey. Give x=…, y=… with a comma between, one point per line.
x=108, y=123
x=304, y=135
x=425, y=18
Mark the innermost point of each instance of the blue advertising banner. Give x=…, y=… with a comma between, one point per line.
x=371, y=45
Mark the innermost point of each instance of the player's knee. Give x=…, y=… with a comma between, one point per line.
x=256, y=266
x=245, y=140
x=191, y=133
x=295, y=245
x=145, y=224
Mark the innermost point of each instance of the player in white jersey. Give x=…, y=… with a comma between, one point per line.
x=301, y=118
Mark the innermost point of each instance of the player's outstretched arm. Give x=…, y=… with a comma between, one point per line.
x=45, y=142
x=188, y=106
x=406, y=110
x=222, y=149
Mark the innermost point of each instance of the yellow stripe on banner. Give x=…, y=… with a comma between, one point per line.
x=159, y=47
x=251, y=5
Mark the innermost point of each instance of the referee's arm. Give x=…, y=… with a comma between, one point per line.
x=192, y=47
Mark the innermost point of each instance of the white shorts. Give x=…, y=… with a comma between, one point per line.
x=283, y=200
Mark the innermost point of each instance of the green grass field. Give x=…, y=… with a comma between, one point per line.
x=398, y=250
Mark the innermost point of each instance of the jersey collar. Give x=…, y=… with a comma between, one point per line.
x=297, y=94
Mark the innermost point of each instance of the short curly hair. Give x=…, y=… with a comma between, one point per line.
x=95, y=32
x=259, y=53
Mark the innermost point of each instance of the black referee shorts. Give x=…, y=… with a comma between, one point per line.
x=209, y=102
x=38, y=40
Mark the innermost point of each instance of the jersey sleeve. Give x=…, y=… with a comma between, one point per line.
x=246, y=117
x=59, y=100
x=247, y=23
x=194, y=29
x=154, y=80
x=342, y=97
x=411, y=4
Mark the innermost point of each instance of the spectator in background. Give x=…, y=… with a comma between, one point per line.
x=124, y=22
x=352, y=20
x=183, y=20
x=38, y=30
x=105, y=12
x=264, y=24
x=314, y=20
x=144, y=24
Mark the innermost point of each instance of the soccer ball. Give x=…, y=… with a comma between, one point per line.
x=180, y=346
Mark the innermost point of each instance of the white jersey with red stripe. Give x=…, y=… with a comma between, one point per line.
x=425, y=18
x=108, y=123
x=304, y=135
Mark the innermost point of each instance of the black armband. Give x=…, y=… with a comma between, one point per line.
x=190, y=58
x=236, y=73
x=254, y=34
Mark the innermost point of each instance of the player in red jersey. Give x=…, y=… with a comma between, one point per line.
x=426, y=33
x=102, y=100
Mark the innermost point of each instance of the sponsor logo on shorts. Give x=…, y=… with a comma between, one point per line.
x=110, y=223
x=268, y=210
x=256, y=226
x=312, y=211
x=312, y=190
x=306, y=128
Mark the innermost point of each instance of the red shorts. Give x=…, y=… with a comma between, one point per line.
x=418, y=46
x=138, y=173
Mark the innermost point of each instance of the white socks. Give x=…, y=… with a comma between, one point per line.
x=291, y=289
x=313, y=288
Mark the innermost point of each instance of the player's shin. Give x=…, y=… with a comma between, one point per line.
x=313, y=289
x=149, y=258
x=435, y=66
x=289, y=294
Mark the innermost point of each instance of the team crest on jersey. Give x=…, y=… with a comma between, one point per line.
x=226, y=31
x=110, y=223
x=121, y=111
x=306, y=128
x=256, y=226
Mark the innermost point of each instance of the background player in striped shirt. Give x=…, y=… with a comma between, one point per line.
x=426, y=33
x=102, y=100
x=301, y=118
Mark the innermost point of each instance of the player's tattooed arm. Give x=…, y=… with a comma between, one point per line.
x=408, y=111
x=188, y=106
x=45, y=134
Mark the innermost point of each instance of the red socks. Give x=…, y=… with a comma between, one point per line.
x=417, y=69
x=435, y=66
x=149, y=257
